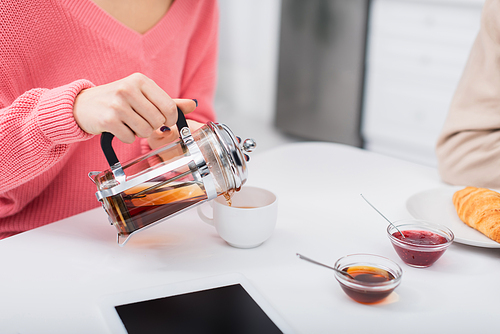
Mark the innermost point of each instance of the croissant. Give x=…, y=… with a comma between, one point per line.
x=480, y=209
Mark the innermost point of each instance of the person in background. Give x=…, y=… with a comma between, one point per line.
x=72, y=69
x=468, y=148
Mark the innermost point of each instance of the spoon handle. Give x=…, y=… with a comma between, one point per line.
x=324, y=265
x=380, y=213
x=374, y=208
x=311, y=260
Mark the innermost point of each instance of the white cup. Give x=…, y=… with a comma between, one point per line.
x=249, y=221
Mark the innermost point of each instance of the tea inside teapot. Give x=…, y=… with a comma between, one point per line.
x=173, y=178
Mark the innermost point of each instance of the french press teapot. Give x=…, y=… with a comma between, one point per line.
x=196, y=168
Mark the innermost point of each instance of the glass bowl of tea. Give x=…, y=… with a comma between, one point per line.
x=371, y=277
x=419, y=243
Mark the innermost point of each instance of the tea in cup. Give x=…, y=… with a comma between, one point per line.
x=247, y=219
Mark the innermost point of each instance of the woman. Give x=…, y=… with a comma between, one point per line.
x=72, y=69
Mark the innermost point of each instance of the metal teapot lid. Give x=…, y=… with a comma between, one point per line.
x=234, y=151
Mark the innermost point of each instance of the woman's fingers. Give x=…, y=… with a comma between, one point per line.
x=133, y=106
x=157, y=108
x=159, y=138
x=186, y=105
x=160, y=100
x=123, y=133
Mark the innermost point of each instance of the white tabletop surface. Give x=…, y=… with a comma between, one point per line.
x=53, y=277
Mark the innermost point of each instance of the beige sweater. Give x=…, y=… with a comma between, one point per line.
x=468, y=148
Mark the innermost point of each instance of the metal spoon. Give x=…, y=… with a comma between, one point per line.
x=324, y=265
x=380, y=213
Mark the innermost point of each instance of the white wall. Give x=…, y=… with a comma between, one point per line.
x=417, y=50
x=248, y=54
x=416, y=54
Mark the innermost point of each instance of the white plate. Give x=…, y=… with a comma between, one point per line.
x=436, y=206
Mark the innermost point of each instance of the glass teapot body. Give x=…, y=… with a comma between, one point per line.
x=171, y=179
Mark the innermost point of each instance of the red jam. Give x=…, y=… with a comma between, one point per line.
x=419, y=258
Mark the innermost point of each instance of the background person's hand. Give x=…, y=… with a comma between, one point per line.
x=129, y=107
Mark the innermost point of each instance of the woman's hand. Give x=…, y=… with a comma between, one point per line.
x=159, y=138
x=130, y=107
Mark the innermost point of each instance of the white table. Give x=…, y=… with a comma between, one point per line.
x=52, y=278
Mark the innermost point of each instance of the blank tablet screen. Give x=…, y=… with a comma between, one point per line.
x=227, y=309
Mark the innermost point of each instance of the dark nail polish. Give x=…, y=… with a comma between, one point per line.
x=195, y=101
x=164, y=128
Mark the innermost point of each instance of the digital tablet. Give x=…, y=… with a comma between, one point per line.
x=217, y=304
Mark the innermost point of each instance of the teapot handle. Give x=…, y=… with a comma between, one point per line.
x=107, y=138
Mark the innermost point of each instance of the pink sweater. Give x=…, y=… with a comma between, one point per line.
x=50, y=51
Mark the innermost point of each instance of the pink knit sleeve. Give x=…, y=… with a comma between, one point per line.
x=37, y=131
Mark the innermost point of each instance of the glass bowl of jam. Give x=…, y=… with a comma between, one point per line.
x=423, y=242
x=373, y=277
